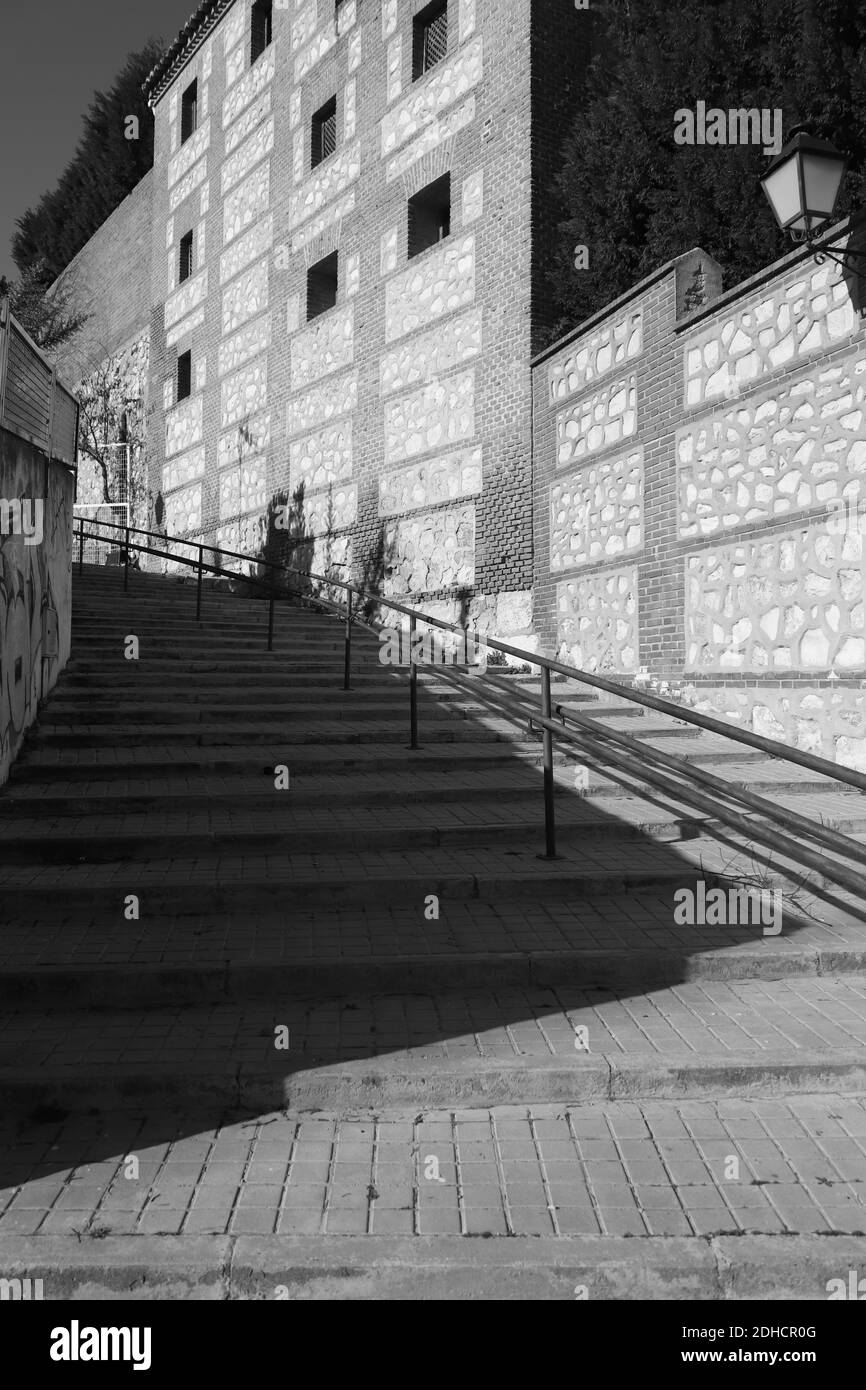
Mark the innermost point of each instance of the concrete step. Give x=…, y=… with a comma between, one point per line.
x=278, y=734
x=479, y=1048
x=80, y=954
x=332, y=705
x=46, y=764
x=128, y=839
x=185, y=886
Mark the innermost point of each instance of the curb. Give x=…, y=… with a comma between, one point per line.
x=372, y=1268
x=326, y=1084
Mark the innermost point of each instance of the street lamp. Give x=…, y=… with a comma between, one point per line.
x=802, y=186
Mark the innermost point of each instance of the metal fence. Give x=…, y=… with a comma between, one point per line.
x=33, y=404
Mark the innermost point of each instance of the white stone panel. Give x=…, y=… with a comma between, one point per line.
x=322, y=458
x=595, y=354
x=184, y=469
x=247, y=123
x=254, y=243
x=427, y=484
x=350, y=101
x=191, y=294
x=327, y=345
x=260, y=144
x=334, y=213
x=189, y=154
x=248, y=343
x=322, y=404
x=185, y=326
x=183, y=511
x=454, y=78
x=431, y=551
x=431, y=137
x=245, y=298
x=187, y=185
x=249, y=87
x=597, y=422
x=424, y=358
x=395, y=69
x=325, y=183
x=440, y=282
x=247, y=440
x=246, y=203
x=244, y=393
x=597, y=514
x=597, y=622
x=183, y=426
x=441, y=414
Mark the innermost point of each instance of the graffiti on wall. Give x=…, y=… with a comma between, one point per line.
x=35, y=592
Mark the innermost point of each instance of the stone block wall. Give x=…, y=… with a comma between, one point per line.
x=700, y=498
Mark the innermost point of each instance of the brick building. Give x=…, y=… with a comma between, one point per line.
x=349, y=214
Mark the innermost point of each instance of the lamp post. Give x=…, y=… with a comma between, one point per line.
x=802, y=186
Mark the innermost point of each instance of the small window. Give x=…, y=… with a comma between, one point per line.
x=322, y=287
x=262, y=28
x=189, y=111
x=324, y=132
x=185, y=257
x=184, y=376
x=430, y=215
x=429, y=38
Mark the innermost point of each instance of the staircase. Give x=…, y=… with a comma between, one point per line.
x=182, y=931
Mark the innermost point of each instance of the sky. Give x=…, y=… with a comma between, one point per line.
x=56, y=54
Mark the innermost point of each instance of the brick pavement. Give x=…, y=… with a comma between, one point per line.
x=307, y=912
x=656, y=1169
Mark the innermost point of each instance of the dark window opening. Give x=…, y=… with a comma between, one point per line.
x=429, y=38
x=262, y=28
x=430, y=215
x=185, y=257
x=189, y=111
x=322, y=286
x=324, y=132
x=184, y=376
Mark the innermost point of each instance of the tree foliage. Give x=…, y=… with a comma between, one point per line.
x=50, y=319
x=634, y=198
x=106, y=166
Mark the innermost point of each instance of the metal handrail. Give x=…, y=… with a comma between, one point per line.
x=619, y=750
x=643, y=763
x=772, y=747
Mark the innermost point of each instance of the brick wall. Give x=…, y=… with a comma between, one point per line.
x=110, y=281
x=406, y=409
x=699, y=509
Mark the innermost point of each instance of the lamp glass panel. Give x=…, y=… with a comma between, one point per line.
x=821, y=178
x=782, y=187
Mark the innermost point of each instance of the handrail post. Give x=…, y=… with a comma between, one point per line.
x=81, y=548
x=126, y=563
x=347, y=660
x=271, y=623
x=549, y=809
x=413, y=687
x=200, y=578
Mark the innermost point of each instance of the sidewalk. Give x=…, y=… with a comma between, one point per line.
x=657, y=1169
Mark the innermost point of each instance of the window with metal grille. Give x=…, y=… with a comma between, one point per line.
x=262, y=28
x=188, y=111
x=324, y=132
x=322, y=286
x=185, y=257
x=184, y=376
x=430, y=215
x=429, y=38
